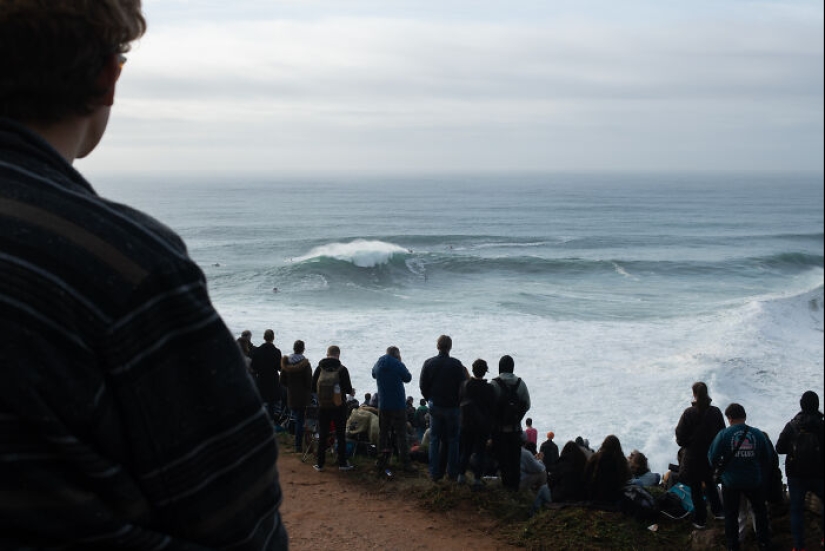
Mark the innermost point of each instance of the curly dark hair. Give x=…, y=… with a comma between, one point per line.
x=52, y=52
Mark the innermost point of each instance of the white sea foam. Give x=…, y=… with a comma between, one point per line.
x=601, y=354
x=361, y=253
x=593, y=378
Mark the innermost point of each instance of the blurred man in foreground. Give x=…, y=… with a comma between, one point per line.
x=127, y=417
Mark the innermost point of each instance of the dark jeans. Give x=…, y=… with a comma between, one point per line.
x=472, y=442
x=393, y=421
x=507, y=448
x=756, y=496
x=797, y=488
x=338, y=416
x=710, y=492
x=300, y=418
x=444, y=430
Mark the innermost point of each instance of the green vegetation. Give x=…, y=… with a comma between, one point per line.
x=560, y=528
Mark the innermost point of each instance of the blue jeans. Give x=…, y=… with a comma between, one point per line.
x=444, y=428
x=797, y=488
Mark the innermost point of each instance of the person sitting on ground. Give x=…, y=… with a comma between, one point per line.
x=533, y=472
x=567, y=480
x=549, y=452
x=531, y=433
x=584, y=444
x=296, y=376
x=640, y=471
x=422, y=418
x=421, y=451
x=606, y=473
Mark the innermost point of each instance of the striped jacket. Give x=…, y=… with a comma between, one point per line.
x=127, y=417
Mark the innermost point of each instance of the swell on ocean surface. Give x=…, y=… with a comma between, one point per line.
x=612, y=297
x=376, y=262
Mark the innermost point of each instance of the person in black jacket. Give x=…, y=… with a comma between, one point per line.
x=266, y=363
x=477, y=403
x=698, y=426
x=333, y=414
x=805, y=470
x=440, y=384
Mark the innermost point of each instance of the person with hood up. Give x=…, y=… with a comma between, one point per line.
x=296, y=376
x=802, y=442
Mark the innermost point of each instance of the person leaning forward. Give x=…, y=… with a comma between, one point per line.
x=129, y=420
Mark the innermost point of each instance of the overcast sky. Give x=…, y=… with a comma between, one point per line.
x=301, y=85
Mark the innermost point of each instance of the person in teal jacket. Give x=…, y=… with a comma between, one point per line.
x=743, y=473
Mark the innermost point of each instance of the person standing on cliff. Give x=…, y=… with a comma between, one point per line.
x=331, y=382
x=266, y=363
x=512, y=401
x=697, y=427
x=747, y=456
x=803, y=441
x=296, y=376
x=390, y=373
x=440, y=384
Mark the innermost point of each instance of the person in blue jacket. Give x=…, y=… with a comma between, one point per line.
x=391, y=374
x=745, y=454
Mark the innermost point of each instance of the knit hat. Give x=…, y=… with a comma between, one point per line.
x=809, y=402
x=551, y=435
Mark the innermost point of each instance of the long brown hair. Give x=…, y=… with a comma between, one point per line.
x=700, y=395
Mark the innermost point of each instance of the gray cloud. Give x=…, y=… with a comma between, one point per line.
x=389, y=93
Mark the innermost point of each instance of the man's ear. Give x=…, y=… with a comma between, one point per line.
x=107, y=79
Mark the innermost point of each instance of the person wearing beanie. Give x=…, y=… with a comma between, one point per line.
x=512, y=402
x=549, y=452
x=801, y=441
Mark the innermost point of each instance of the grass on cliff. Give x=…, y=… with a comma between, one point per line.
x=562, y=528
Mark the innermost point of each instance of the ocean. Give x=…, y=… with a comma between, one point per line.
x=612, y=292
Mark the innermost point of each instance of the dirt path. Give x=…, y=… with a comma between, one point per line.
x=332, y=510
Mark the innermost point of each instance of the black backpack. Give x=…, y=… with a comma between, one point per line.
x=638, y=503
x=806, y=452
x=510, y=407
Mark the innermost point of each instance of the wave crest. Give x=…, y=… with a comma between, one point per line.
x=360, y=252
